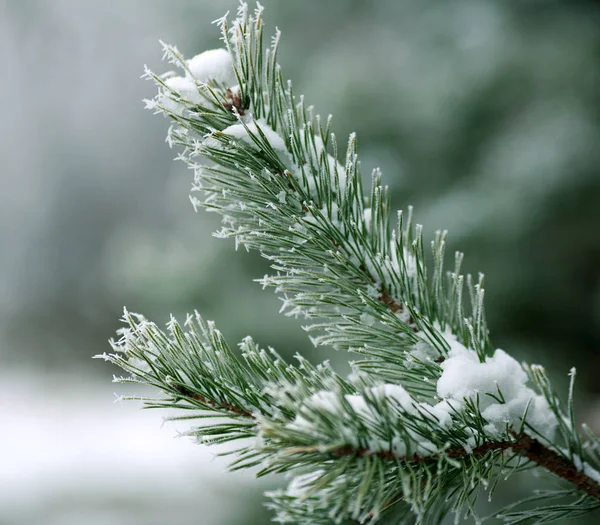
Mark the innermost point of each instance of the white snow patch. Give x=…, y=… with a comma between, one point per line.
x=422, y=351
x=396, y=397
x=581, y=465
x=397, y=394
x=441, y=411
x=301, y=485
x=499, y=382
x=325, y=400
x=464, y=376
x=359, y=405
x=214, y=64
x=185, y=87
x=240, y=132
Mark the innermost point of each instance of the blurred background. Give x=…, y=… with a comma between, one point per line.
x=484, y=115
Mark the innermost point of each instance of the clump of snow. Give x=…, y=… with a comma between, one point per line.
x=501, y=384
x=214, y=64
x=241, y=132
x=331, y=402
x=442, y=411
x=300, y=486
x=186, y=87
x=183, y=87
x=325, y=400
x=359, y=405
x=421, y=352
x=395, y=393
x=394, y=396
x=404, y=315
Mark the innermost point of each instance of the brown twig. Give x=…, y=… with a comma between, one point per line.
x=389, y=301
x=527, y=446
x=385, y=298
x=553, y=462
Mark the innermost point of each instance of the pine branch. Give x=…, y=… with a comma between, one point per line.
x=286, y=406
x=431, y=413
x=529, y=447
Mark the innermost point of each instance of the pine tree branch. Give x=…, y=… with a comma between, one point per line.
x=186, y=364
x=523, y=444
x=425, y=418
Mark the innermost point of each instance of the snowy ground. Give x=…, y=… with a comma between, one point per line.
x=72, y=457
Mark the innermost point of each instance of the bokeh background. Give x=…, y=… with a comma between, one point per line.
x=484, y=115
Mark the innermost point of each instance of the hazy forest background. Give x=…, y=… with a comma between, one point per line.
x=484, y=115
